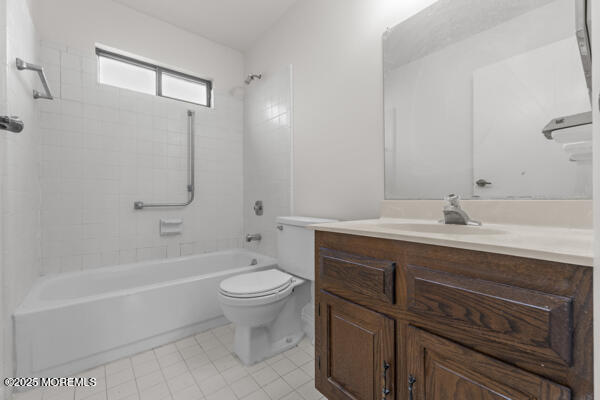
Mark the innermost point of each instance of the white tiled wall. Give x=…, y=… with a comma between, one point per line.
x=268, y=156
x=104, y=148
x=19, y=170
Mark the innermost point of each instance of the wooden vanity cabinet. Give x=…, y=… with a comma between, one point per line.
x=352, y=332
x=406, y=321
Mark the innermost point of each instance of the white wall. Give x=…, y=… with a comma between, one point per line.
x=267, y=156
x=335, y=49
x=82, y=23
x=20, y=155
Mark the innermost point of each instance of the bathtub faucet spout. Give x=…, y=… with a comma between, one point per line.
x=251, y=237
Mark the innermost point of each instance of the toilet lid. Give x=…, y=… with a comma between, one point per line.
x=256, y=284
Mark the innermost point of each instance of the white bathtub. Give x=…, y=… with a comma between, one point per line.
x=71, y=322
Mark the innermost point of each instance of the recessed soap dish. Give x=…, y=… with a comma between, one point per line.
x=171, y=226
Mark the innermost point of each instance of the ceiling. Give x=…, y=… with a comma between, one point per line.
x=233, y=23
x=447, y=22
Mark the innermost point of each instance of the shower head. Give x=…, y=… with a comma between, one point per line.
x=252, y=77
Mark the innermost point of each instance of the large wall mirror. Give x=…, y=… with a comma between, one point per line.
x=475, y=95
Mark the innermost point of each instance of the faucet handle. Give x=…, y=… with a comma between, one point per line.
x=453, y=199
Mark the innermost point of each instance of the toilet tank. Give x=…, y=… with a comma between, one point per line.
x=296, y=245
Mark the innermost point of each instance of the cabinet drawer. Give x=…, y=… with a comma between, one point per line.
x=357, y=277
x=505, y=319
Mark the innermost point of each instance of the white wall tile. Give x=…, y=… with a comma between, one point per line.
x=108, y=147
x=267, y=157
x=20, y=249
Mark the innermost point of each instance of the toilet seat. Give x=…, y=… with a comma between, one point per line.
x=256, y=284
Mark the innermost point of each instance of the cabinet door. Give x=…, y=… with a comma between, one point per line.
x=355, y=351
x=442, y=370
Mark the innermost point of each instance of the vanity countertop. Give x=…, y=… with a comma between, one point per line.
x=560, y=244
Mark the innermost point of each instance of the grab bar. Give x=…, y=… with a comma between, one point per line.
x=22, y=65
x=140, y=205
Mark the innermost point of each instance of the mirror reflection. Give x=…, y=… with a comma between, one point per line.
x=489, y=99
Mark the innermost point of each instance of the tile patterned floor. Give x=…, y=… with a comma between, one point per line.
x=196, y=368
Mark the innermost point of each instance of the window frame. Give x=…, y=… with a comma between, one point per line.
x=159, y=73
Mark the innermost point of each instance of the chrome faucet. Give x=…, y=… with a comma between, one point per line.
x=454, y=214
x=251, y=237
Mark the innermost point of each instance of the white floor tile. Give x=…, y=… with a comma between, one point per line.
x=117, y=366
x=298, y=356
x=169, y=359
x=33, y=394
x=174, y=370
x=204, y=372
x=209, y=343
x=296, y=378
x=234, y=374
x=97, y=396
x=117, y=378
x=212, y=385
x=85, y=393
x=164, y=350
x=143, y=358
x=293, y=396
x=189, y=393
x=265, y=376
x=158, y=392
x=274, y=359
x=223, y=364
x=308, y=391
x=217, y=352
x=256, y=367
x=150, y=380
x=181, y=382
x=58, y=393
x=122, y=391
x=185, y=343
x=309, y=368
x=200, y=367
x=277, y=389
x=284, y=366
x=244, y=387
x=223, y=394
x=259, y=395
x=192, y=351
x=146, y=368
x=197, y=361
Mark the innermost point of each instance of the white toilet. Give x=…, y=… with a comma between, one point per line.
x=266, y=306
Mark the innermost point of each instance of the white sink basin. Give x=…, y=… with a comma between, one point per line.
x=442, y=229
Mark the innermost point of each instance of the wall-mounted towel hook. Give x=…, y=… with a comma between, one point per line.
x=22, y=65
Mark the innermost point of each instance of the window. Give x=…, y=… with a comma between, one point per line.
x=128, y=73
